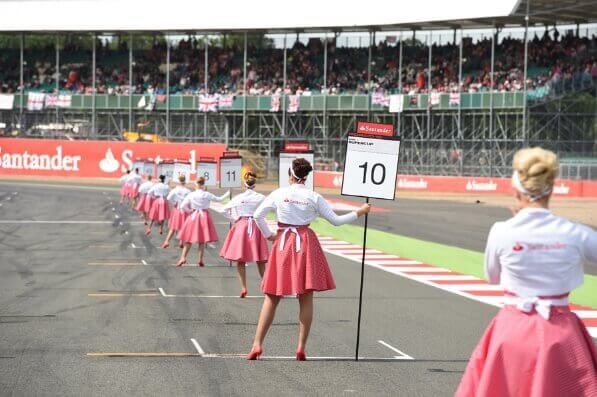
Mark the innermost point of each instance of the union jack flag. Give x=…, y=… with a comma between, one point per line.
x=35, y=101
x=275, y=105
x=51, y=101
x=454, y=99
x=64, y=101
x=225, y=101
x=379, y=98
x=294, y=104
x=208, y=103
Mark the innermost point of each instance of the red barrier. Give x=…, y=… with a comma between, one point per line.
x=103, y=159
x=458, y=184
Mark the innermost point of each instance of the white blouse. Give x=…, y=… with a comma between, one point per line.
x=145, y=186
x=537, y=253
x=177, y=194
x=199, y=200
x=244, y=204
x=135, y=179
x=296, y=205
x=159, y=190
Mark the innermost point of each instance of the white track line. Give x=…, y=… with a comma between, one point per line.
x=144, y=262
x=162, y=292
x=198, y=347
x=113, y=209
x=402, y=356
x=586, y=313
x=392, y=262
x=116, y=216
x=592, y=331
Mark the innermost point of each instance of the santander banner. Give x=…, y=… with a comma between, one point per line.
x=457, y=184
x=93, y=159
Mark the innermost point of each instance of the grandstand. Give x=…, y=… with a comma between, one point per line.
x=465, y=93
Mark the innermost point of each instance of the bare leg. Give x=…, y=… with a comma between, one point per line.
x=162, y=227
x=268, y=312
x=201, y=252
x=185, y=251
x=261, y=268
x=169, y=235
x=242, y=275
x=148, y=232
x=305, y=318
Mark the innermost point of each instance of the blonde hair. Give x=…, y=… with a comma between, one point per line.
x=537, y=169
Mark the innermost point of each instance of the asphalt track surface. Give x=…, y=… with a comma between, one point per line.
x=71, y=289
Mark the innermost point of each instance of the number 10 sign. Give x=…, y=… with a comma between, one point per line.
x=371, y=165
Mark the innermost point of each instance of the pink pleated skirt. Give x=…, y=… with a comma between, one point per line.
x=289, y=272
x=177, y=218
x=244, y=242
x=148, y=203
x=140, y=207
x=124, y=190
x=198, y=228
x=523, y=354
x=133, y=190
x=160, y=210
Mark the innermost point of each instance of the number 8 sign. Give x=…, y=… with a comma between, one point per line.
x=371, y=166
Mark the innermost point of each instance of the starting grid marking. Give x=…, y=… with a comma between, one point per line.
x=467, y=286
x=200, y=353
x=470, y=287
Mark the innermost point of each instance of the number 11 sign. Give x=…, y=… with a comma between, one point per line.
x=230, y=170
x=371, y=165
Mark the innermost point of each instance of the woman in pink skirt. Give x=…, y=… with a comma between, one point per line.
x=198, y=228
x=177, y=215
x=135, y=181
x=245, y=242
x=125, y=186
x=142, y=206
x=535, y=346
x=297, y=264
x=160, y=211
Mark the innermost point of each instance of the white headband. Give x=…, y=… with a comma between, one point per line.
x=517, y=184
x=294, y=175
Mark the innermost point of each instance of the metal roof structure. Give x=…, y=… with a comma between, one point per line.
x=271, y=16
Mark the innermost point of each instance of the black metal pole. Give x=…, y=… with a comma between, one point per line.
x=229, y=223
x=356, y=357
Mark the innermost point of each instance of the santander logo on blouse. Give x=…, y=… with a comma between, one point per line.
x=518, y=247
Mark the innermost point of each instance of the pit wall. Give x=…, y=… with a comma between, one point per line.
x=457, y=184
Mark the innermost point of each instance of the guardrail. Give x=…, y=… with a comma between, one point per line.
x=311, y=103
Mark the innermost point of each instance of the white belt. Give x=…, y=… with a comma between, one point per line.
x=297, y=241
x=541, y=305
x=195, y=212
x=250, y=220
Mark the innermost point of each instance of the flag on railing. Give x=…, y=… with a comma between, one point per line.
x=414, y=100
x=434, y=99
x=208, y=103
x=6, y=101
x=142, y=102
x=64, y=101
x=275, y=104
x=51, y=100
x=225, y=101
x=294, y=103
x=379, y=98
x=396, y=103
x=35, y=101
x=454, y=99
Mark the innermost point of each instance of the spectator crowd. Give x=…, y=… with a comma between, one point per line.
x=555, y=62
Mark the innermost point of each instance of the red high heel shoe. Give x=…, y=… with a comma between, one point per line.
x=148, y=232
x=165, y=245
x=255, y=353
x=300, y=355
x=201, y=264
x=243, y=293
x=181, y=262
